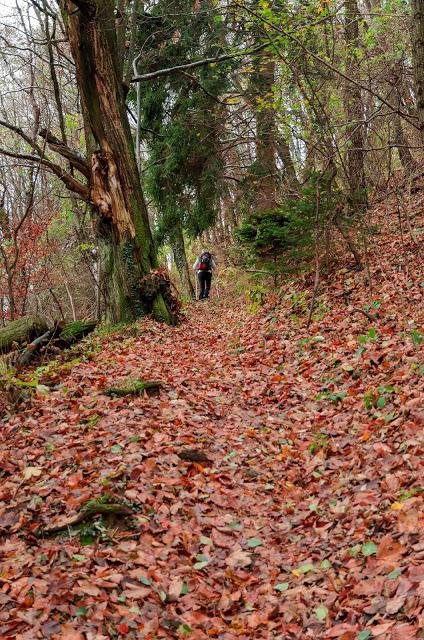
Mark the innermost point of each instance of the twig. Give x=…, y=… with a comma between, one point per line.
x=365, y=313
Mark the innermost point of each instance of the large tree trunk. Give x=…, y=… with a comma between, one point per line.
x=266, y=170
x=354, y=112
x=127, y=246
x=180, y=257
x=418, y=58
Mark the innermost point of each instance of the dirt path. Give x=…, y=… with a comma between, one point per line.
x=306, y=521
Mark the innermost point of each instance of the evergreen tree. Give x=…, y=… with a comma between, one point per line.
x=182, y=121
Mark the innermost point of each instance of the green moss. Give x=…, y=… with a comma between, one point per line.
x=134, y=388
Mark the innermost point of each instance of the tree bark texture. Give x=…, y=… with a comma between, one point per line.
x=354, y=112
x=418, y=58
x=180, y=257
x=115, y=191
x=266, y=170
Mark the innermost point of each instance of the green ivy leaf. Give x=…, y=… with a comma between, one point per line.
x=116, y=448
x=254, y=542
x=321, y=612
x=185, y=628
x=304, y=568
x=381, y=402
x=394, y=574
x=281, y=586
x=78, y=558
x=369, y=549
x=355, y=550
x=417, y=337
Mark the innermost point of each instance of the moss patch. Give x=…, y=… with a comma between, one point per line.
x=134, y=388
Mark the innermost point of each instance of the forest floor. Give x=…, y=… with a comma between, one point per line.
x=307, y=518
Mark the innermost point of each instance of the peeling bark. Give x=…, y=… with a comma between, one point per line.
x=128, y=252
x=107, y=195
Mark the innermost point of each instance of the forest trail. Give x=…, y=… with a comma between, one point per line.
x=306, y=521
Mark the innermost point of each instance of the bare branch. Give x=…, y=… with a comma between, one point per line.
x=77, y=160
x=69, y=181
x=199, y=63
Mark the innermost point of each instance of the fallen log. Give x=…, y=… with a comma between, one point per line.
x=74, y=331
x=62, y=336
x=92, y=509
x=32, y=348
x=134, y=388
x=18, y=332
x=34, y=332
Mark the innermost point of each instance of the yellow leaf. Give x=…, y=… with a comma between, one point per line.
x=396, y=506
x=31, y=472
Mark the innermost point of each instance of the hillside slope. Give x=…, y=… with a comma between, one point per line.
x=302, y=518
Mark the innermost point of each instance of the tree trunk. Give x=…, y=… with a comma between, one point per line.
x=180, y=257
x=266, y=170
x=127, y=246
x=418, y=58
x=291, y=179
x=406, y=158
x=354, y=112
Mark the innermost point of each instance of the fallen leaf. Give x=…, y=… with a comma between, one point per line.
x=32, y=472
x=238, y=559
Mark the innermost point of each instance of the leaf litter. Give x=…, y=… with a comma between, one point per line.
x=275, y=482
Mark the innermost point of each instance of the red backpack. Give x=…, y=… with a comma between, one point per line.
x=205, y=261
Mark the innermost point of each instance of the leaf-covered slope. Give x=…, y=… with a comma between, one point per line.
x=305, y=519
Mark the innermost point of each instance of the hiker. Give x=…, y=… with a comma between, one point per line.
x=204, y=267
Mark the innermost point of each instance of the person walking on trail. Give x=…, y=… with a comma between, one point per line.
x=204, y=267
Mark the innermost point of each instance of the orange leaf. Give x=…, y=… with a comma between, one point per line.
x=123, y=628
x=75, y=479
